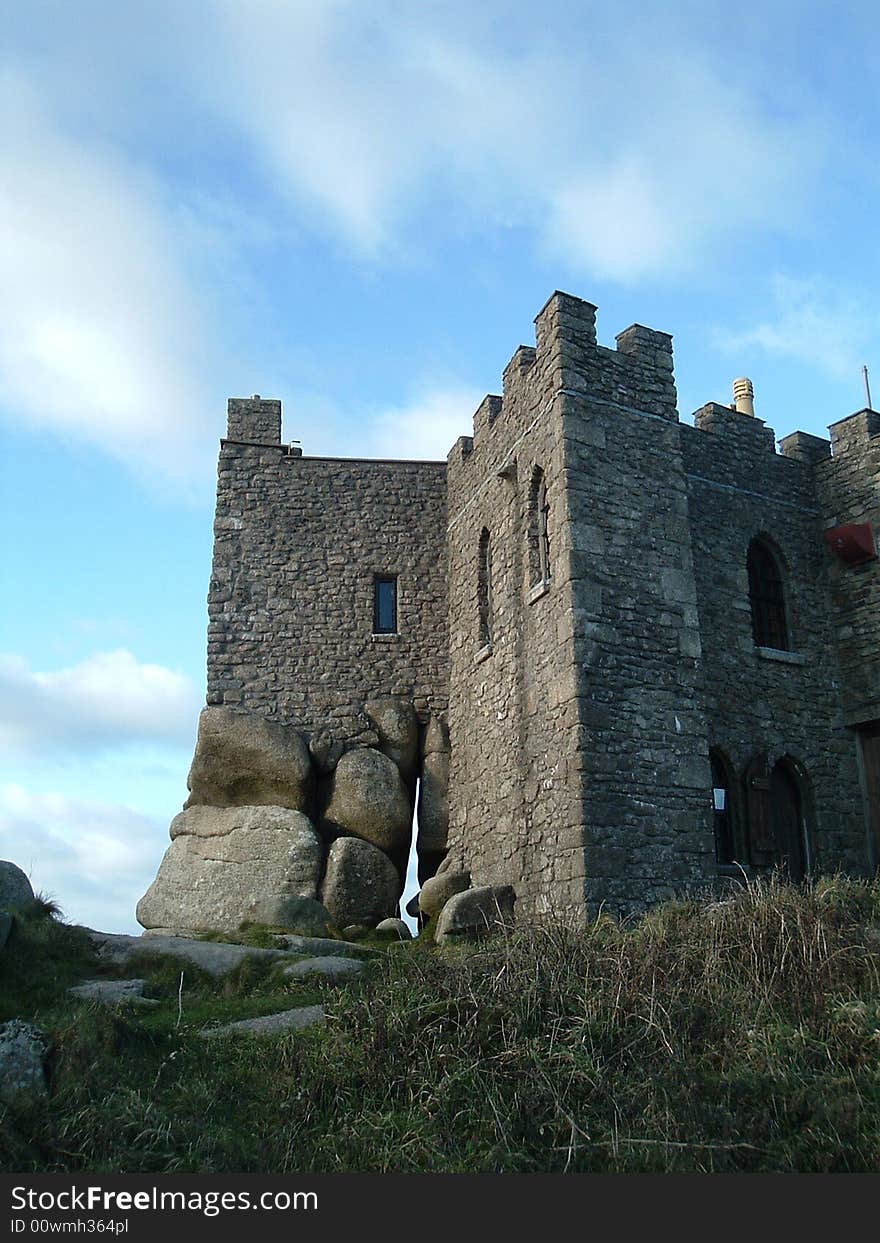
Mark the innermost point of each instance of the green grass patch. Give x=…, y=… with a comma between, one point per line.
x=41, y=960
x=733, y=1036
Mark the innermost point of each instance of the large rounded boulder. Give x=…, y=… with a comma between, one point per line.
x=232, y=865
x=15, y=888
x=369, y=800
x=476, y=913
x=361, y=884
x=242, y=760
x=437, y=891
x=396, y=724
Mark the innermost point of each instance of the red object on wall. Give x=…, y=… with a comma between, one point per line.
x=853, y=543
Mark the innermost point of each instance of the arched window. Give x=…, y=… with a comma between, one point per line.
x=484, y=589
x=539, y=529
x=723, y=811
x=766, y=597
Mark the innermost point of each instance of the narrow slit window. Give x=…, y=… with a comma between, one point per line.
x=543, y=531
x=484, y=590
x=385, y=604
x=538, y=529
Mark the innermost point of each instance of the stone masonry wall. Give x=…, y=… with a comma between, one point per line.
x=297, y=543
x=583, y=701
x=580, y=769
x=515, y=814
x=758, y=700
x=849, y=492
x=642, y=749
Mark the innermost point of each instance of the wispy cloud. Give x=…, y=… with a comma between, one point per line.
x=814, y=323
x=96, y=859
x=426, y=428
x=107, y=701
x=630, y=153
x=623, y=148
x=101, y=335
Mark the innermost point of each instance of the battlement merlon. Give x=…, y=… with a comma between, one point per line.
x=804, y=447
x=853, y=434
x=254, y=420
x=637, y=374
x=743, y=432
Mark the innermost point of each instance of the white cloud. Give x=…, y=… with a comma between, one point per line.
x=96, y=859
x=629, y=154
x=109, y=700
x=814, y=324
x=426, y=428
x=101, y=335
x=623, y=146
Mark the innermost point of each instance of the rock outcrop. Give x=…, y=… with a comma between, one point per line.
x=476, y=913
x=243, y=850
x=437, y=891
x=394, y=930
x=318, y=947
x=398, y=729
x=361, y=884
x=230, y=865
x=23, y=1050
x=369, y=800
x=243, y=760
x=114, y=993
x=215, y=957
x=269, y=1024
x=327, y=967
x=15, y=888
x=325, y=751
x=306, y=917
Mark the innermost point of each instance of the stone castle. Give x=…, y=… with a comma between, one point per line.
x=627, y=655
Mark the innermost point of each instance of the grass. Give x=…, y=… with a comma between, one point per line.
x=734, y=1036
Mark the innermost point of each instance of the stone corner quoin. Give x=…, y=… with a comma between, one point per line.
x=575, y=691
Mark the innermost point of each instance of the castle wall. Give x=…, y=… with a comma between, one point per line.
x=589, y=659
x=580, y=768
x=297, y=543
x=849, y=491
x=757, y=699
x=515, y=812
x=848, y=485
x=642, y=747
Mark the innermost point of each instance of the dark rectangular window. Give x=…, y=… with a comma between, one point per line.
x=385, y=604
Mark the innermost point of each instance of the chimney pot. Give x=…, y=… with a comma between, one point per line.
x=744, y=395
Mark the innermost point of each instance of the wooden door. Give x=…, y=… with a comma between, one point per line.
x=870, y=740
x=788, y=823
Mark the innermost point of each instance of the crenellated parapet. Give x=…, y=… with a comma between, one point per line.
x=565, y=362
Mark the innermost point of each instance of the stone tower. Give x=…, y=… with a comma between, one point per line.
x=645, y=654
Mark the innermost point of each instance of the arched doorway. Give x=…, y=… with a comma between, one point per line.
x=788, y=816
x=777, y=828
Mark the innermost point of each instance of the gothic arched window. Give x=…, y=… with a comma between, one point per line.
x=723, y=785
x=766, y=597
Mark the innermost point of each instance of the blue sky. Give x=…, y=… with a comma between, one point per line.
x=359, y=208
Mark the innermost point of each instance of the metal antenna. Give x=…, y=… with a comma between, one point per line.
x=867, y=385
